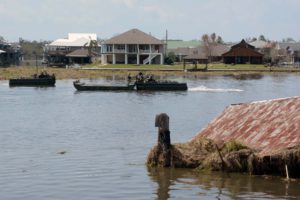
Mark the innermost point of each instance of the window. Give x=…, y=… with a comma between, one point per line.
x=120, y=47
x=109, y=48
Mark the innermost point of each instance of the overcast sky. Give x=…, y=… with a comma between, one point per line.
x=184, y=19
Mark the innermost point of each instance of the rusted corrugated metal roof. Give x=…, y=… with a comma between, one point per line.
x=267, y=126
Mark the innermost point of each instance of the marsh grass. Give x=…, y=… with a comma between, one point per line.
x=232, y=156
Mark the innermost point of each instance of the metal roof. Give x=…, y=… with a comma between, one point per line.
x=75, y=36
x=75, y=40
x=267, y=126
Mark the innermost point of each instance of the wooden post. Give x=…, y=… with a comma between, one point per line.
x=287, y=172
x=164, y=140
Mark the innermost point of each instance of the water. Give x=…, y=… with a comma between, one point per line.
x=56, y=143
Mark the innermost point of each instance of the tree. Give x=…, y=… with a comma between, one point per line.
x=288, y=39
x=220, y=40
x=170, y=59
x=262, y=38
x=213, y=37
x=92, y=46
x=253, y=39
x=209, y=43
x=32, y=48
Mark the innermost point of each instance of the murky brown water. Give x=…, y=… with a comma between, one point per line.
x=216, y=185
x=105, y=138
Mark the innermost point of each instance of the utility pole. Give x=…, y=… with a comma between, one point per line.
x=166, y=43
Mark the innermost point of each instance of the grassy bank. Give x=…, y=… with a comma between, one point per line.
x=96, y=70
x=188, y=66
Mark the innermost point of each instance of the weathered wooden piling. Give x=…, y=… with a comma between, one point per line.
x=164, y=140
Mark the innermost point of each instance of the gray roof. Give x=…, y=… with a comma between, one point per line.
x=81, y=53
x=133, y=36
x=219, y=49
x=199, y=52
x=259, y=44
x=197, y=56
x=295, y=46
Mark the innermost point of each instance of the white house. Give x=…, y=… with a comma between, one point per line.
x=70, y=50
x=133, y=47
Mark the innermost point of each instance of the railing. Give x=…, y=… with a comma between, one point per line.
x=119, y=51
x=148, y=51
x=149, y=58
x=132, y=51
x=58, y=52
x=144, y=51
x=129, y=51
x=106, y=51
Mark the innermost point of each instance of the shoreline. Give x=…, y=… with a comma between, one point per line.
x=71, y=73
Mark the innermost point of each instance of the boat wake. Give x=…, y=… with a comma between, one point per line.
x=202, y=88
x=4, y=84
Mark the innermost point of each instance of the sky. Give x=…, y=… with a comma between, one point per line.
x=233, y=20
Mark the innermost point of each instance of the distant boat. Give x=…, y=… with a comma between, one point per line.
x=149, y=83
x=43, y=80
x=161, y=86
x=141, y=83
x=97, y=87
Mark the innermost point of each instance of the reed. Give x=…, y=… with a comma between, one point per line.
x=232, y=156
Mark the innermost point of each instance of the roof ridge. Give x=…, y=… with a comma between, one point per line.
x=265, y=101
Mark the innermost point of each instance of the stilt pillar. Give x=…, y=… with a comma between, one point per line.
x=164, y=140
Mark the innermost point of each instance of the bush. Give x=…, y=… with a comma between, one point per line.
x=170, y=59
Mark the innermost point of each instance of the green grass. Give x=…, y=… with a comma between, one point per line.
x=237, y=67
x=122, y=66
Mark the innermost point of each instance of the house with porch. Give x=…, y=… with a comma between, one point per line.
x=288, y=52
x=10, y=54
x=242, y=53
x=133, y=47
x=72, y=50
x=200, y=54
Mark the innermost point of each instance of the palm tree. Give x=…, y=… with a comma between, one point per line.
x=92, y=47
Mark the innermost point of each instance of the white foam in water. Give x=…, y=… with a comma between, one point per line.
x=6, y=84
x=202, y=88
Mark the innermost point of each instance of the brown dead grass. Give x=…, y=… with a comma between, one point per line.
x=60, y=73
x=231, y=156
